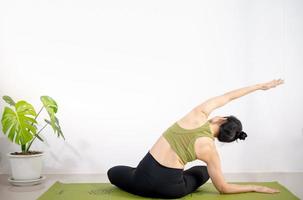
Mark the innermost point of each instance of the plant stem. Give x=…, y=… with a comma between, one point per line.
x=23, y=147
x=39, y=112
x=42, y=129
x=31, y=142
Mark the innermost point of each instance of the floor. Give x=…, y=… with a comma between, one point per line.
x=293, y=181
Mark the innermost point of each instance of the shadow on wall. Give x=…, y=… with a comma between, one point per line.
x=67, y=157
x=91, y=162
x=5, y=147
x=64, y=156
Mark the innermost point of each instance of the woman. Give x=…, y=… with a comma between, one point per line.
x=161, y=174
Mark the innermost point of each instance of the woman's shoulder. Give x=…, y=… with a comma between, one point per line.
x=192, y=120
x=204, y=142
x=203, y=146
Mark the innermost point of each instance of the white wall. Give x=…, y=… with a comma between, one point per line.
x=123, y=71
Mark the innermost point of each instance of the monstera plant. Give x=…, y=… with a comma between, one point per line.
x=19, y=123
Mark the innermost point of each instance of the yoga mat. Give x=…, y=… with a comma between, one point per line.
x=106, y=191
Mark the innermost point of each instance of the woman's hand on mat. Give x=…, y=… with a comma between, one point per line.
x=264, y=189
x=271, y=84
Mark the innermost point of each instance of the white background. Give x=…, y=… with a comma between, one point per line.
x=123, y=71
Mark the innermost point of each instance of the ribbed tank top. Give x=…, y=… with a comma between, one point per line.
x=182, y=140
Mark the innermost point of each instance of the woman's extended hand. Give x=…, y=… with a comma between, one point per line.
x=271, y=84
x=264, y=189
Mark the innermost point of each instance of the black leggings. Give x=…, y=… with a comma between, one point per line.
x=151, y=179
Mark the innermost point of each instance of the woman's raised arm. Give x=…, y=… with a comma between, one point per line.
x=215, y=102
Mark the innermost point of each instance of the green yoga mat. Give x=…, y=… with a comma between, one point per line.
x=106, y=191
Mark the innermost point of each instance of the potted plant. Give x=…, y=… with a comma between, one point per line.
x=19, y=123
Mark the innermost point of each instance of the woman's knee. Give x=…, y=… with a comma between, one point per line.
x=200, y=172
x=110, y=174
x=204, y=174
x=120, y=174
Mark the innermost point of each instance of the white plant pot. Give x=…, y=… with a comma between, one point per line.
x=26, y=167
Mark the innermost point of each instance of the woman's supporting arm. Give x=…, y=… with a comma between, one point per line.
x=215, y=102
x=236, y=188
x=208, y=153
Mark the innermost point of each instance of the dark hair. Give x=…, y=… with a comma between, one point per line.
x=231, y=130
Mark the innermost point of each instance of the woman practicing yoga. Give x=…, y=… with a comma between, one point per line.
x=161, y=174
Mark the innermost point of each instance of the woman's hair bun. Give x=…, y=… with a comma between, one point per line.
x=241, y=135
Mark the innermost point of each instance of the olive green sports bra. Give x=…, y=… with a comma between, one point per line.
x=182, y=140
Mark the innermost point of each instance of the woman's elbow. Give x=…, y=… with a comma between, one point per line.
x=223, y=189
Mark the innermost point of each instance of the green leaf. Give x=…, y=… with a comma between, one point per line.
x=8, y=100
x=19, y=125
x=51, y=107
x=57, y=127
x=49, y=103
